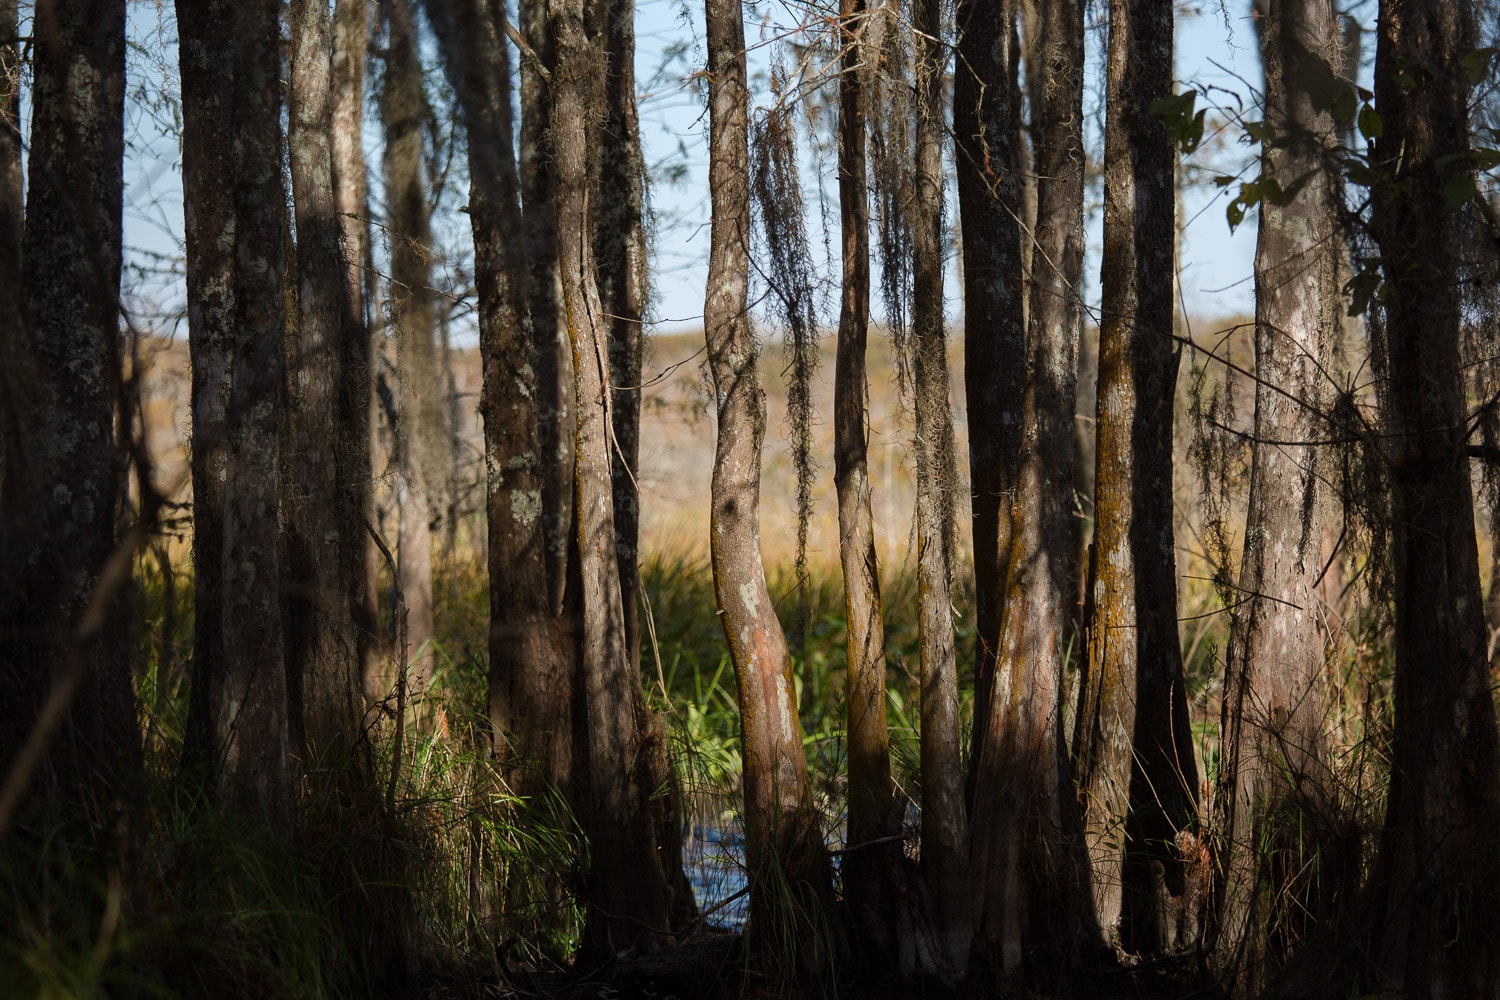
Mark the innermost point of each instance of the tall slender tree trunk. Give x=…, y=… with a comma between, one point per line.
x=620, y=249
x=872, y=867
x=531, y=666
x=63, y=482
x=1275, y=790
x=556, y=408
x=1138, y=775
x=323, y=538
x=627, y=895
x=421, y=434
x=987, y=129
x=238, y=737
x=1420, y=928
x=351, y=40
x=1031, y=876
x=788, y=867
x=944, y=824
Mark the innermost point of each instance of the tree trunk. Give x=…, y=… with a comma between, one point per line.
x=627, y=895
x=620, y=249
x=1420, y=929
x=324, y=536
x=1281, y=869
x=1030, y=875
x=788, y=867
x=238, y=738
x=872, y=867
x=351, y=39
x=1137, y=772
x=986, y=124
x=531, y=667
x=556, y=408
x=421, y=433
x=944, y=825
x=64, y=477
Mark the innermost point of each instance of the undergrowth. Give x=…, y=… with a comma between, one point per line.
x=446, y=880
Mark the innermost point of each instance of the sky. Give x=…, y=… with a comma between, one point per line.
x=1215, y=54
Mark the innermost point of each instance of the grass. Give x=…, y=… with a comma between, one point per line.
x=458, y=881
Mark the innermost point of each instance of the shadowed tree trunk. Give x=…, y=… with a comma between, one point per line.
x=421, y=435
x=63, y=476
x=556, y=408
x=237, y=737
x=944, y=825
x=1030, y=875
x=620, y=249
x=627, y=894
x=872, y=868
x=531, y=663
x=1137, y=772
x=788, y=867
x=351, y=39
x=1420, y=928
x=987, y=131
x=1275, y=791
x=324, y=537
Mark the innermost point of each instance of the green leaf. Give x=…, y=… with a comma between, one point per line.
x=1371, y=126
x=1235, y=213
x=1486, y=159
x=1224, y=180
x=1476, y=64
x=1459, y=190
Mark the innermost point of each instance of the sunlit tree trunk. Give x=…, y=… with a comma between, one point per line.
x=351, y=40
x=324, y=535
x=64, y=480
x=1138, y=775
x=872, y=868
x=421, y=434
x=1030, y=876
x=627, y=891
x=1275, y=790
x=987, y=132
x=788, y=868
x=238, y=738
x=944, y=826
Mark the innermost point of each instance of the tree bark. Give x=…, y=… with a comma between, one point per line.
x=944, y=825
x=531, y=666
x=1280, y=864
x=1138, y=775
x=788, y=867
x=64, y=476
x=621, y=254
x=1416, y=930
x=872, y=867
x=986, y=124
x=627, y=895
x=556, y=408
x=1030, y=874
x=421, y=435
x=351, y=38
x=238, y=738
x=323, y=539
